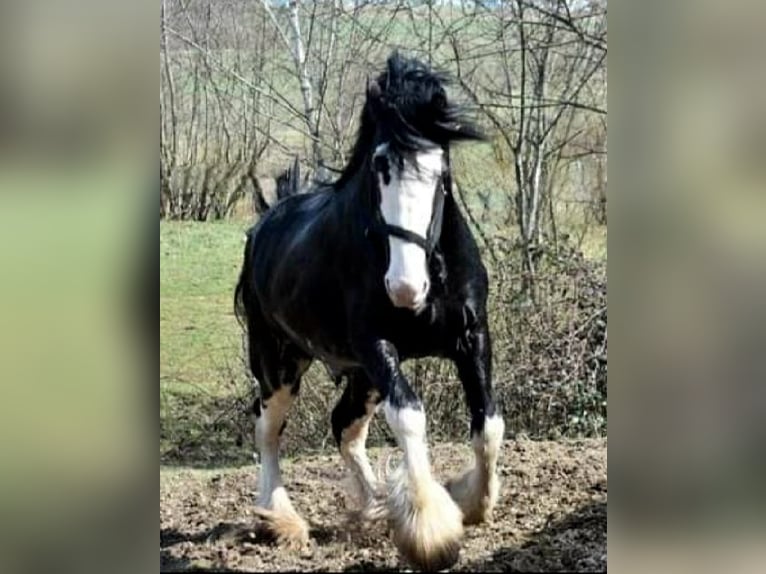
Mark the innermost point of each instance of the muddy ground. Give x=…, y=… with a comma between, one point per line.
x=551, y=515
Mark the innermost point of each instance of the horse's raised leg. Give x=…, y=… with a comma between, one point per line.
x=278, y=369
x=350, y=421
x=427, y=524
x=476, y=491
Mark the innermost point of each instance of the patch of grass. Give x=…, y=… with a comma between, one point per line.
x=200, y=340
x=199, y=267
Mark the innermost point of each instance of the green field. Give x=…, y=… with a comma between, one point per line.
x=200, y=339
x=200, y=265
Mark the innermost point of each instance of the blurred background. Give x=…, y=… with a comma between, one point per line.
x=78, y=237
x=688, y=406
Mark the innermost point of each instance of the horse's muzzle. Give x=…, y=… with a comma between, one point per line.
x=405, y=294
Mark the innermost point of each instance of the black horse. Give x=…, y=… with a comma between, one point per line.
x=362, y=274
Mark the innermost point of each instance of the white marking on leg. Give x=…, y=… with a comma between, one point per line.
x=427, y=524
x=489, y=441
x=409, y=427
x=273, y=502
x=267, y=427
x=353, y=450
x=486, y=448
x=477, y=490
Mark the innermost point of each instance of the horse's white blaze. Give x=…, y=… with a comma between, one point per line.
x=406, y=201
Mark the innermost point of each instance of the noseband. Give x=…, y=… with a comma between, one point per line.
x=427, y=243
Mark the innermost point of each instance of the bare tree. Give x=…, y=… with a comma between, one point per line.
x=534, y=85
x=256, y=83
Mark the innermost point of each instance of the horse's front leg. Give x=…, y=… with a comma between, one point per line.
x=476, y=491
x=427, y=524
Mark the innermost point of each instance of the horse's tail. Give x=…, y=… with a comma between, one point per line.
x=289, y=181
x=240, y=308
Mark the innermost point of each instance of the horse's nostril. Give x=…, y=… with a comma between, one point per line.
x=425, y=286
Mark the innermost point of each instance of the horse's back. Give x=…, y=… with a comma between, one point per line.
x=287, y=221
x=288, y=240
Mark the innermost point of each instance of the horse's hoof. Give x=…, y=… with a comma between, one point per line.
x=475, y=497
x=430, y=559
x=288, y=529
x=427, y=525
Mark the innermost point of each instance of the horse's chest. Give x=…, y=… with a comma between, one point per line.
x=416, y=335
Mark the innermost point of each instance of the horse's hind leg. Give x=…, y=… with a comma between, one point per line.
x=476, y=491
x=278, y=366
x=350, y=421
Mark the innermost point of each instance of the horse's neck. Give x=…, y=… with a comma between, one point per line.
x=356, y=198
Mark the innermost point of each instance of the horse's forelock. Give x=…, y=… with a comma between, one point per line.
x=416, y=110
x=407, y=106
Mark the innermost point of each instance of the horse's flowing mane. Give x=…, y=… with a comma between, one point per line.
x=408, y=104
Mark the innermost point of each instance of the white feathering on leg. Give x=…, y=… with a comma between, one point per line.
x=476, y=491
x=427, y=524
x=274, y=504
x=362, y=486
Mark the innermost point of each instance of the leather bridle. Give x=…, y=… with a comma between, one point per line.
x=427, y=243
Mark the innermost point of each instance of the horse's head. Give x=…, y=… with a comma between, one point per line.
x=414, y=124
